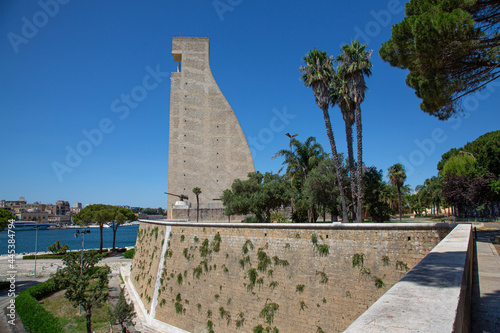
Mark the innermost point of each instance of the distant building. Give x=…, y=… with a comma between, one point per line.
x=8, y=204
x=62, y=207
x=76, y=208
x=42, y=217
x=59, y=219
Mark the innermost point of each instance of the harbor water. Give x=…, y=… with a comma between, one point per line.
x=25, y=240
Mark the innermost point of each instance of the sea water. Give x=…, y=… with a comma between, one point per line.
x=25, y=240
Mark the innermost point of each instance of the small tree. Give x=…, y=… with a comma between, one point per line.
x=85, y=283
x=56, y=248
x=123, y=312
x=197, y=192
x=121, y=215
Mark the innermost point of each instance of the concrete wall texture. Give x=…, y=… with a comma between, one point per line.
x=207, y=147
x=292, y=277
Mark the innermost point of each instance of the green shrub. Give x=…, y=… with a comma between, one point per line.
x=129, y=253
x=251, y=219
x=34, y=317
x=278, y=217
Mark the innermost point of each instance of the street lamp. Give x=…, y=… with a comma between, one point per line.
x=36, y=245
x=82, y=232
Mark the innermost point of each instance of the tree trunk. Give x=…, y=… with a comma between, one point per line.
x=329, y=132
x=89, y=320
x=399, y=200
x=115, y=228
x=197, y=208
x=101, y=226
x=359, y=174
x=352, y=171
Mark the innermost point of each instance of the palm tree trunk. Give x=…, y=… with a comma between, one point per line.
x=359, y=139
x=399, y=200
x=329, y=132
x=352, y=171
x=197, y=208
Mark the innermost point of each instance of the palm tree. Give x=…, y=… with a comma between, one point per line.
x=339, y=94
x=197, y=192
x=317, y=74
x=301, y=158
x=397, y=176
x=354, y=64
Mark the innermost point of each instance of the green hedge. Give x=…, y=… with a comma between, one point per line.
x=34, y=317
x=129, y=253
x=4, y=285
x=58, y=256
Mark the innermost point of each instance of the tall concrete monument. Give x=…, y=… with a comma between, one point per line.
x=207, y=147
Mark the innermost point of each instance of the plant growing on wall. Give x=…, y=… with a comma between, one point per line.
x=323, y=277
x=378, y=282
x=248, y=245
x=273, y=284
x=268, y=311
x=197, y=271
x=401, y=265
x=385, y=259
x=358, y=259
x=240, y=320
x=216, y=243
x=280, y=262
x=264, y=260
x=303, y=306
x=299, y=288
x=245, y=260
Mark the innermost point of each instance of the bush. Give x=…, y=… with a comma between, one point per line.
x=251, y=219
x=34, y=317
x=60, y=256
x=129, y=253
x=4, y=285
x=278, y=217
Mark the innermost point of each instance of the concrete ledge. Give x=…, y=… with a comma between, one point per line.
x=433, y=297
x=329, y=226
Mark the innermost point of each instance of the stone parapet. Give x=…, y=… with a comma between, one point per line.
x=434, y=296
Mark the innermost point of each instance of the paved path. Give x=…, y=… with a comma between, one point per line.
x=486, y=281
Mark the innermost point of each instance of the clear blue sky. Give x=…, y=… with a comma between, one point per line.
x=62, y=68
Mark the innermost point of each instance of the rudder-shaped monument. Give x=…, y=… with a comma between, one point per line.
x=207, y=147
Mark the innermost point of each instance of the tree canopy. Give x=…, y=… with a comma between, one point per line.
x=5, y=216
x=485, y=151
x=102, y=214
x=259, y=194
x=450, y=47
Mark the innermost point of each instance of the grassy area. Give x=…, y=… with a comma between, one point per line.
x=68, y=316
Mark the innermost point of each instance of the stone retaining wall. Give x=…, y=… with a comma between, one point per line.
x=294, y=277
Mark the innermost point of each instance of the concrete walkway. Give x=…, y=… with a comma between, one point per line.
x=486, y=281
